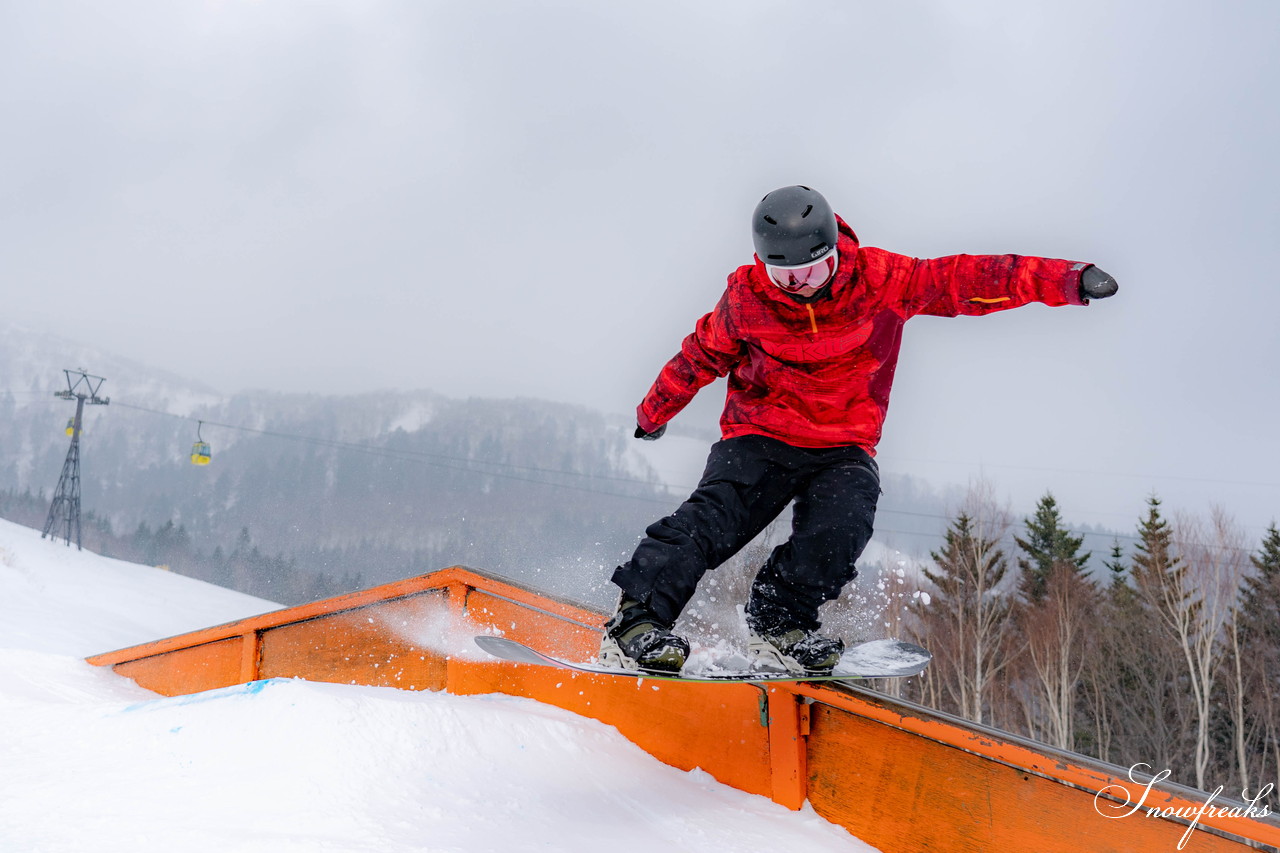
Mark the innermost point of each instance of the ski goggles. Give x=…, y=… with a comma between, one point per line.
x=800, y=276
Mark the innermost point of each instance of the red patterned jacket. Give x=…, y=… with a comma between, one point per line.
x=819, y=374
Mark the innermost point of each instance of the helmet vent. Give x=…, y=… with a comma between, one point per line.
x=807, y=211
x=777, y=257
x=770, y=220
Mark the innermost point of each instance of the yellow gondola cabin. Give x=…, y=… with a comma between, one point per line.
x=201, y=454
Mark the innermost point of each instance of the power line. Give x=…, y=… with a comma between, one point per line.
x=440, y=460
x=892, y=457
x=467, y=464
x=1090, y=472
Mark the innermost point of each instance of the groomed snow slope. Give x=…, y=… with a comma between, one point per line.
x=90, y=761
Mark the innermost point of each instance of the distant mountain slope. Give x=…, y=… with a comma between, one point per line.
x=309, y=495
x=381, y=485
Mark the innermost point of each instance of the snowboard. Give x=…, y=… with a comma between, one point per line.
x=872, y=659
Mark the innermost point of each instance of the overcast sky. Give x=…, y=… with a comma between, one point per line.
x=499, y=199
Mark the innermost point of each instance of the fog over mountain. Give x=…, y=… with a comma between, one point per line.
x=311, y=495
x=361, y=488
x=334, y=197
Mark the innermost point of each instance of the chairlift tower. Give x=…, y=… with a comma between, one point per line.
x=64, y=512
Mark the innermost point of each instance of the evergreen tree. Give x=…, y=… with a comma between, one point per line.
x=1047, y=543
x=1055, y=619
x=1259, y=633
x=1154, y=714
x=141, y=542
x=1260, y=609
x=1184, y=594
x=171, y=544
x=219, y=568
x=1117, y=568
x=1157, y=571
x=1108, y=678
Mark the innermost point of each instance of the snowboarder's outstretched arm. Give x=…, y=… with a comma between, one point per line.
x=981, y=284
x=704, y=356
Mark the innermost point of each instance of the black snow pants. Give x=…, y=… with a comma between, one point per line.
x=748, y=482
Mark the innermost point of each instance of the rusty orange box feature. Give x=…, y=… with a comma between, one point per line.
x=901, y=777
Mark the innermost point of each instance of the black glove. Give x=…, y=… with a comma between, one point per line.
x=1095, y=284
x=650, y=436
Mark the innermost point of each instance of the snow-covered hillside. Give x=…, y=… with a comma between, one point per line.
x=56, y=599
x=93, y=762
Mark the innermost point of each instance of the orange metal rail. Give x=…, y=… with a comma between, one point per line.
x=899, y=776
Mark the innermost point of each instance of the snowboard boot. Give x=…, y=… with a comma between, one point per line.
x=635, y=639
x=799, y=651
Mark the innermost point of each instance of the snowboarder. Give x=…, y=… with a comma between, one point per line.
x=808, y=335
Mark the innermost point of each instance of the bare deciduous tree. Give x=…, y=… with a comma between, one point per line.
x=1059, y=631
x=966, y=615
x=1190, y=575
x=1136, y=679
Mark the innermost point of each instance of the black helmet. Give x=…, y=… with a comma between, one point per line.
x=792, y=226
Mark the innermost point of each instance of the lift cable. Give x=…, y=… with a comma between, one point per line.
x=465, y=464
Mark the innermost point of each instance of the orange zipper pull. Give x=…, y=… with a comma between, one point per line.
x=813, y=321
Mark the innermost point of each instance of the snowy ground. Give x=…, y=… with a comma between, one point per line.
x=89, y=761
